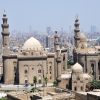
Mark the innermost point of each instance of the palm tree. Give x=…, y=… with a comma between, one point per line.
x=35, y=80
x=45, y=80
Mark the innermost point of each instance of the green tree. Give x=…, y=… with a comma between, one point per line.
x=35, y=80
x=45, y=80
x=3, y=98
x=55, y=83
x=95, y=84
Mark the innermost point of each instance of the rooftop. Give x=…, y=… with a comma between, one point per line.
x=94, y=92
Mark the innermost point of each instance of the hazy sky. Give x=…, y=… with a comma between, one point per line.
x=25, y=15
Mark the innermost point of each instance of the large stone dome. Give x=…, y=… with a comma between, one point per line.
x=32, y=44
x=77, y=68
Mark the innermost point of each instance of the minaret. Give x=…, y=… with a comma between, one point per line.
x=58, y=55
x=8, y=68
x=56, y=41
x=76, y=32
x=5, y=35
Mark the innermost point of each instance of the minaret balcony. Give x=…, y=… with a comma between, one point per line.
x=58, y=59
x=76, y=24
x=5, y=25
x=5, y=33
x=56, y=43
x=76, y=30
x=77, y=37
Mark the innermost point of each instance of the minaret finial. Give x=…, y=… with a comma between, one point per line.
x=76, y=21
x=56, y=32
x=76, y=17
x=4, y=13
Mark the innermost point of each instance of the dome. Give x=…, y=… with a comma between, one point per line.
x=83, y=37
x=85, y=76
x=32, y=44
x=77, y=68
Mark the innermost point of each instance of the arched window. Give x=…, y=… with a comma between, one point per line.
x=99, y=68
x=39, y=81
x=92, y=68
x=25, y=71
x=50, y=77
x=50, y=68
x=63, y=57
x=82, y=88
x=32, y=53
x=78, y=78
x=15, y=65
x=75, y=88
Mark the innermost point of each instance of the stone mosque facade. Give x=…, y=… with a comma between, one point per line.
x=32, y=60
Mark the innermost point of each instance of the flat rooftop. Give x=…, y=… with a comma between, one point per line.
x=94, y=92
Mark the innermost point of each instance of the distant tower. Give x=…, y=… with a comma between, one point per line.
x=76, y=32
x=58, y=54
x=56, y=41
x=49, y=30
x=47, y=41
x=5, y=35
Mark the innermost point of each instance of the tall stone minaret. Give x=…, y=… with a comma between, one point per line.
x=5, y=35
x=8, y=68
x=76, y=33
x=58, y=55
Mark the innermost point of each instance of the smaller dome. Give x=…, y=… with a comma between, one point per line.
x=77, y=68
x=85, y=76
x=83, y=37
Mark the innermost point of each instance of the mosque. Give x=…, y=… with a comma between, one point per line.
x=31, y=60
x=88, y=57
x=34, y=60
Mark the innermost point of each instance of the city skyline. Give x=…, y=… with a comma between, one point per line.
x=26, y=16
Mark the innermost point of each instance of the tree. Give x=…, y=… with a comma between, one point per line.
x=4, y=98
x=45, y=80
x=95, y=84
x=55, y=83
x=35, y=80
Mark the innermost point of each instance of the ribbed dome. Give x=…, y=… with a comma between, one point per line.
x=32, y=44
x=77, y=68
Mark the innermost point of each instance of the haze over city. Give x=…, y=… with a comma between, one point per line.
x=30, y=15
